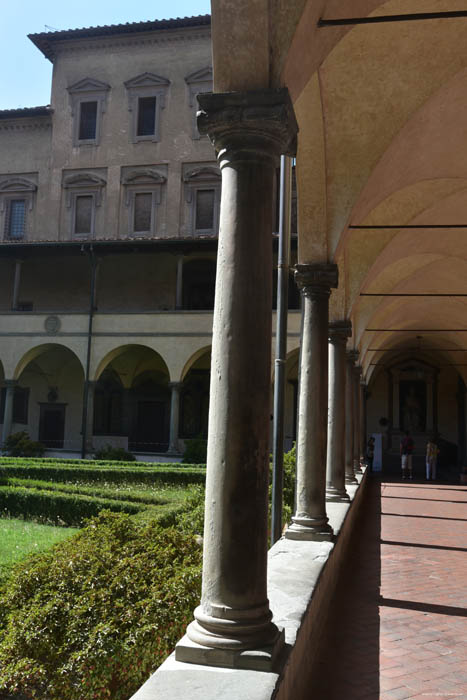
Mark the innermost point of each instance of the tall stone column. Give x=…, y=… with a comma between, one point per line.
x=249, y=130
x=90, y=416
x=339, y=331
x=8, y=414
x=356, y=411
x=174, y=417
x=349, y=419
x=310, y=521
x=363, y=429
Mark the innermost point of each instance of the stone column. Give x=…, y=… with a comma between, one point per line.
x=349, y=419
x=356, y=411
x=179, y=289
x=174, y=417
x=339, y=331
x=310, y=521
x=363, y=428
x=90, y=417
x=8, y=414
x=16, y=285
x=249, y=130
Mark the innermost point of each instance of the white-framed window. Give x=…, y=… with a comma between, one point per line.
x=17, y=199
x=202, y=196
x=142, y=197
x=198, y=82
x=83, y=199
x=146, y=98
x=88, y=100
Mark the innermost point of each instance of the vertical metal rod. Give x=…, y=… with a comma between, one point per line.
x=92, y=294
x=283, y=263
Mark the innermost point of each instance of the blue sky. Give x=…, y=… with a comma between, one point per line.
x=26, y=75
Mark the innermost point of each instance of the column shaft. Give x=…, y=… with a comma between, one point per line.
x=174, y=417
x=335, y=467
x=90, y=417
x=8, y=414
x=310, y=520
x=363, y=431
x=249, y=131
x=349, y=420
x=356, y=412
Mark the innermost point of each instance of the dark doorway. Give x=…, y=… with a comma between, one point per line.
x=150, y=433
x=52, y=425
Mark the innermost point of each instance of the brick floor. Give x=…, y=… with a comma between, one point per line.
x=398, y=627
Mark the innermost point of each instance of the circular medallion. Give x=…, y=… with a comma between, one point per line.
x=52, y=325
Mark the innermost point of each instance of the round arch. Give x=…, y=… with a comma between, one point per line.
x=38, y=350
x=138, y=349
x=206, y=350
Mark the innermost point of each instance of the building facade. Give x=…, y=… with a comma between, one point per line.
x=109, y=215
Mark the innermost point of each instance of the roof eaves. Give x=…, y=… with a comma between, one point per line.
x=45, y=40
x=26, y=112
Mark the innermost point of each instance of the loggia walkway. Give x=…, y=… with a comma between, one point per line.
x=399, y=622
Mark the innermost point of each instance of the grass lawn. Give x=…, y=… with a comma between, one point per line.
x=20, y=537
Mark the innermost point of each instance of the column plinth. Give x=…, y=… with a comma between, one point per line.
x=339, y=331
x=249, y=131
x=310, y=521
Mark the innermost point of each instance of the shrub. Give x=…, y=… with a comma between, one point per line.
x=93, y=617
x=195, y=451
x=288, y=489
x=21, y=445
x=114, y=454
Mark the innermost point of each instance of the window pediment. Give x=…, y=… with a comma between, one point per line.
x=84, y=180
x=200, y=76
x=200, y=175
x=147, y=80
x=144, y=177
x=88, y=85
x=17, y=184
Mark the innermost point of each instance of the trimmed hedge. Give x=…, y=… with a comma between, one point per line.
x=59, y=507
x=93, y=617
x=95, y=463
x=114, y=474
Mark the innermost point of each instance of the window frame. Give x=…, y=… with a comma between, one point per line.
x=83, y=185
x=147, y=181
x=20, y=401
x=197, y=179
x=142, y=86
x=16, y=188
x=87, y=90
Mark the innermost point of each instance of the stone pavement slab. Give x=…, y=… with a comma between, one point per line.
x=399, y=623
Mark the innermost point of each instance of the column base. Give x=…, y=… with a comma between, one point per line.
x=335, y=494
x=266, y=658
x=351, y=479
x=356, y=467
x=314, y=529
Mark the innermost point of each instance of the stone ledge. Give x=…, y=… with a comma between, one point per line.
x=301, y=580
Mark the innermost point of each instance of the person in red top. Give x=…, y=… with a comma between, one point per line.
x=406, y=455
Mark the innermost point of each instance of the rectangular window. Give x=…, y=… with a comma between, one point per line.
x=204, y=217
x=146, y=116
x=20, y=405
x=84, y=205
x=16, y=218
x=87, y=121
x=143, y=212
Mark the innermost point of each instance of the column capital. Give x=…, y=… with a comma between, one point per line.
x=249, y=125
x=352, y=356
x=10, y=383
x=339, y=331
x=316, y=278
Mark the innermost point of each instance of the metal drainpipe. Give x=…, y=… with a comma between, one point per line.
x=283, y=263
x=92, y=260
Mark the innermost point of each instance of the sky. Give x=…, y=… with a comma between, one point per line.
x=26, y=74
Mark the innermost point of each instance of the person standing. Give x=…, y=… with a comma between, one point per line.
x=431, y=459
x=406, y=449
